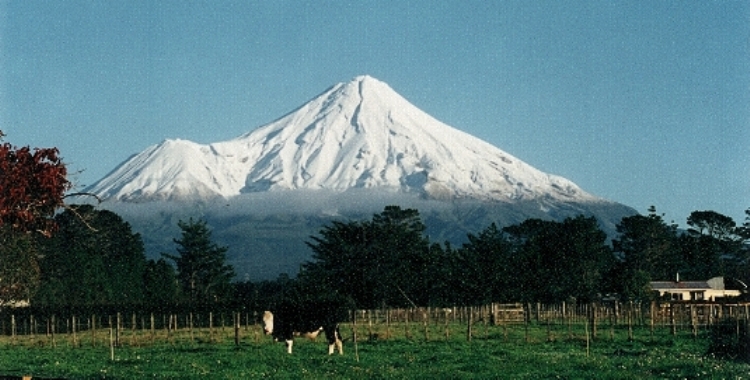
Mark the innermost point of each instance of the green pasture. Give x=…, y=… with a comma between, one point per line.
x=402, y=351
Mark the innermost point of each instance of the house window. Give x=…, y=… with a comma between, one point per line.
x=675, y=296
x=697, y=296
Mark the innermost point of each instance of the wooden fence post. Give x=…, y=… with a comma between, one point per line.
x=256, y=330
x=652, y=311
x=505, y=326
x=587, y=338
x=117, y=330
x=592, y=320
x=447, y=329
x=169, y=328
x=388, y=323
x=111, y=342
x=52, y=331
x=468, y=327
x=190, y=327
x=493, y=314
x=407, y=332
x=354, y=334
x=693, y=321
x=611, y=324
x=570, y=319
x=93, y=330
x=133, y=326
x=13, y=328
x=73, y=331
x=32, y=325
x=630, y=321
x=370, y=333
x=153, y=329
x=484, y=315
x=550, y=338
x=527, y=321
x=672, y=324
x=236, y=329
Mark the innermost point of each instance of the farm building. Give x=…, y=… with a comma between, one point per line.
x=711, y=290
x=14, y=304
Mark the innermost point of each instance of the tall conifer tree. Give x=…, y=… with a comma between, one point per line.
x=201, y=269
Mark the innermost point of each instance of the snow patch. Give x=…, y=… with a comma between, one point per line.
x=357, y=134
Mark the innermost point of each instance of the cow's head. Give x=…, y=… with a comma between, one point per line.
x=267, y=322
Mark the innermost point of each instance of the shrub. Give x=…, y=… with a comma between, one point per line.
x=729, y=338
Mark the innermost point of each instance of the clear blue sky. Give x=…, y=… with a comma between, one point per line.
x=641, y=102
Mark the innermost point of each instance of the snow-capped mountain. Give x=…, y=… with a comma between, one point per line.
x=357, y=134
x=266, y=192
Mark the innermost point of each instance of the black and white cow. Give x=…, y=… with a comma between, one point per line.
x=287, y=321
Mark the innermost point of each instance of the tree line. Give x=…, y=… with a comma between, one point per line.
x=54, y=254
x=94, y=258
x=388, y=261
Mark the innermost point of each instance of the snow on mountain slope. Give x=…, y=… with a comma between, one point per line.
x=172, y=170
x=358, y=134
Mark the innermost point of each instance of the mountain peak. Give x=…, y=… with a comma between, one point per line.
x=366, y=78
x=356, y=134
x=368, y=83
x=362, y=78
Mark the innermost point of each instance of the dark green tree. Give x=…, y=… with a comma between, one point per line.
x=586, y=257
x=646, y=252
x=201, y=269
x=341, y=262
x=124, y=256
x=441, y=276
x=744, y=230
x=93, y=259
x=160, y=283
x=482, y=269
x=712, y=247
x=713, y=224
x=375, y=263
x=743, y=256
x=19, y=268
x=397, y=238
x=701, y=257
x=556, y=261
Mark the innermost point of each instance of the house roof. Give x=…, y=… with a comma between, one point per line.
x=681, y=285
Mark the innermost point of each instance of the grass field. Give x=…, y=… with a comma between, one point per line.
x=493, y=352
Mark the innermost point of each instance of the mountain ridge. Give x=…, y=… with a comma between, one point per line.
x=356, y=134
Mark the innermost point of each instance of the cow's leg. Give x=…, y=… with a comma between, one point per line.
x=330, y=337
x=289, y=345
x=339, y=343
x=335, y=342
x=340, y=346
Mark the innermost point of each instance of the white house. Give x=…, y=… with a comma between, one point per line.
x=14, y=304
x=694, y=290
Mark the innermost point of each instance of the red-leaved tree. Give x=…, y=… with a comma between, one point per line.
x=33, y=183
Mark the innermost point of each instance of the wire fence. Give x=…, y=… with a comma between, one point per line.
x=504, y=321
